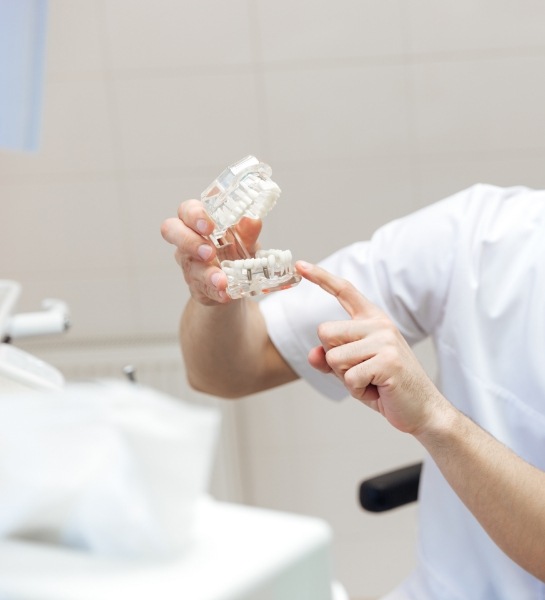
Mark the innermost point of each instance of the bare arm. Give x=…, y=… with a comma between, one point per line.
x=373, y=360
x=226, y=348
x=505, y=493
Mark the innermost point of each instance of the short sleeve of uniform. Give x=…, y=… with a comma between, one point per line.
x=405, y=269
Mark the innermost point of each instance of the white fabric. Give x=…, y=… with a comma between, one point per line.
x=470, y=272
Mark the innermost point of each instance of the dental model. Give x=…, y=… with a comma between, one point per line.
x=246, y=189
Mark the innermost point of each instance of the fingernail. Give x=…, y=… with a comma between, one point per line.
x=215, y=279
x=204, y=251
x=202, y=226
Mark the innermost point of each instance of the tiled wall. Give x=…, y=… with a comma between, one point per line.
x=366, y=110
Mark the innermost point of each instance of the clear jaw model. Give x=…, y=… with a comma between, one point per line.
x=246, y=189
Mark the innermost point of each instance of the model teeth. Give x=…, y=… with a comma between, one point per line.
x=253, y=197
x=245, y=189
x=267, y=263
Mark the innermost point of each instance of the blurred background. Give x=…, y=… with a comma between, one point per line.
x=365, y=109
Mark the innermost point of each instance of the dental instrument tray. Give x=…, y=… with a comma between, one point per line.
x=246, y=189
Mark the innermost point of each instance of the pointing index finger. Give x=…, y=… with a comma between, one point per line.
x=355, y=303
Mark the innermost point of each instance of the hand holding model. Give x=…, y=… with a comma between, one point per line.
x=242, y=193
x=196, y=253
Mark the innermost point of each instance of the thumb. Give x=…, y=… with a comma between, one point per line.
x=249, y=230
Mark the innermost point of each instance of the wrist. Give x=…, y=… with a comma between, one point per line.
x=440, y=423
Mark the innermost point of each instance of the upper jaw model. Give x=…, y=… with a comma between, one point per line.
x=246, y=189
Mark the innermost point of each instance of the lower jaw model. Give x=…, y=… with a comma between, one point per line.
x=246, y=190
x=269, y=271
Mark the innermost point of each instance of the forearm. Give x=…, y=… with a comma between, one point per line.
x=374, y=362
x=227, y=351
x=504, y=493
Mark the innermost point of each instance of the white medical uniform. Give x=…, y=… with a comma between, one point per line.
x=468, y=271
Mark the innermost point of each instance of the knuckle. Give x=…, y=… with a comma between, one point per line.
x=193, y=211
x=323, y=329
x=385, y=324
x=334, y=358
x=390, y=356
x=188, y=209
x=353, y=384
x=351, y=380
x=344, y=287
x=165, y=228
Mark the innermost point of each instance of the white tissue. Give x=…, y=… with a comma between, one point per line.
x=114, y=469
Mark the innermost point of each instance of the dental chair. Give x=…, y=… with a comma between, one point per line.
x=19, y=370
x=391, y=489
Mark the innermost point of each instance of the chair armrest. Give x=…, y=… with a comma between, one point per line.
x=390, y=490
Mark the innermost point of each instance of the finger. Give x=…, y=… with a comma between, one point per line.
x=187, y=241
x=355, y=303
x=249, y=229
x=346, y=356
x=316, y=358
x=195, y=271
x=194, y=215
x=337, y=333
x=206, y=282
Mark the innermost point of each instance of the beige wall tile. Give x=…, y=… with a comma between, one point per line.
x=74, y=38
x=66, y=226
x=187, y=121
x=337, y=113
x=146, y=203
x=320, y=29
x=170, y=34
x=159, y=298
x=330, y=204
x=77, y=136
x=442, y=177
x=467, y=26
x=469, y=107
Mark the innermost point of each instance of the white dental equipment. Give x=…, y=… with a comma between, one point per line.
x=246, y=189
x=9, y=294
x=20, y=370
x=52, y=319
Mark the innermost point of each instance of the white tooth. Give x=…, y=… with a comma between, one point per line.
x=267, y=184
x=230, y=203
x=250, y=193
x=252, y=179
x=240, y=202
x=264, y=261
x=248, y=263
x=286, y=258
